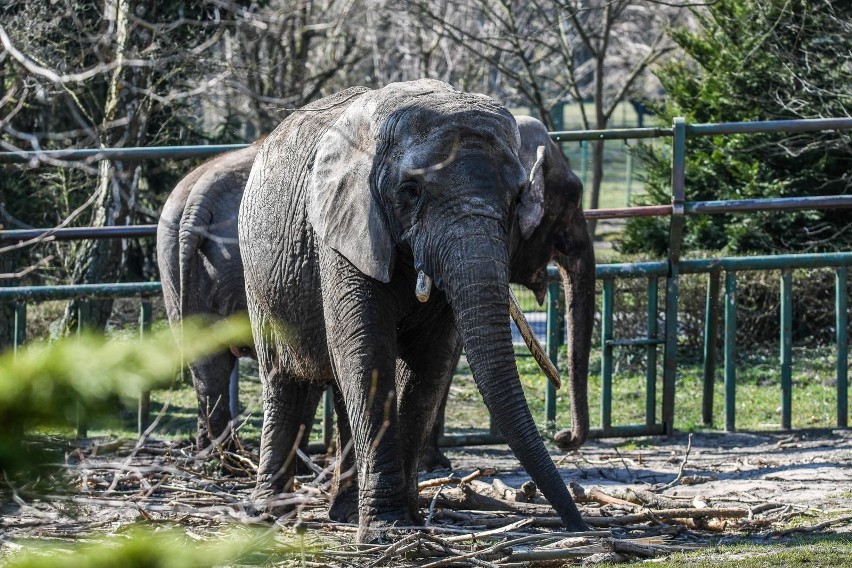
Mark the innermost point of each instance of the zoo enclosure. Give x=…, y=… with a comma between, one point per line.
x=669, y=270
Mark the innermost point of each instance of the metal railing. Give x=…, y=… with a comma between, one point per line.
x=669, y=269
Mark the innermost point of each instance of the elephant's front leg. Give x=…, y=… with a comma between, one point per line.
x=428, y=353
x=360, y=318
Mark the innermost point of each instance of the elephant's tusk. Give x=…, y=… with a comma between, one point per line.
x=532, y=343
x=423, y=287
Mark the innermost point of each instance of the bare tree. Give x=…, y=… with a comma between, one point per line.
x=544, y=52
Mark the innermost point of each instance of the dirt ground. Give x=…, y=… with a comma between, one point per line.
x=779, y=483
x=807, y=470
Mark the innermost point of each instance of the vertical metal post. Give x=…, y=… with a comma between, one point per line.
x=83, y=317
x=584, y=162
x=651, y=369
x=555, y=335
x=786, y=349
x=842, y=324
x=711, y=331
x=143, y=414
x=328, y=417
x=629, y=173
x=606, y=354
x=672, y=279
x=730, y=350
x=20, y=327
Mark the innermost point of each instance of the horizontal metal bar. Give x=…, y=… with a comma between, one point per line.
x=632, y=269
x=610, y=134
x=702, y=265
x=765, y=126
x=79, y=233
x=628, y=430
x=624, y=270
x=137, y=153
x=768, y=262
x=626, y=212
x=69, y=291
x=458, y=440
x=769, y=204
x=635, y=341
x=691, y=207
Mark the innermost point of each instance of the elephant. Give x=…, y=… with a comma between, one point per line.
x=202, y=276
x=376, y=232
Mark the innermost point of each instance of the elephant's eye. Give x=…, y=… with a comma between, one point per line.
x=409, y=192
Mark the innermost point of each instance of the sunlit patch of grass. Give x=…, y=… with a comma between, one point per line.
x=824, y=550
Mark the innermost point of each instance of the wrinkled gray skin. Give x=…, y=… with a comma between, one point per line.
x=347, y=199
x=202, y=276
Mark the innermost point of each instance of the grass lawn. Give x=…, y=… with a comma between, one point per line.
x=758, y=397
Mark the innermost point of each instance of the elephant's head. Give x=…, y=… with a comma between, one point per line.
x=419, y=173
x=550, y=226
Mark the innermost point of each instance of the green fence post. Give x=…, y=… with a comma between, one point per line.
x=606, y=355
x=672, y=279
x=555, y=335
x=584, y=165
x=20, y=327
x=143, y=414
x=328, y=418
x=730, y=350
x=629, y=173
x=786, y=348
x=711, y=331
x=651, y=350
x=842, y=322
x=83, y=320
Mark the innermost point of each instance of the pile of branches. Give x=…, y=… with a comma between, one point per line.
x=468, y=521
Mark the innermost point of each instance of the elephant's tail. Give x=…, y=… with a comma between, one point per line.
x=194, y=227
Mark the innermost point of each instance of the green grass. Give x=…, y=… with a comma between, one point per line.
x=758, y=397
x=758, y=393
x=815, y=551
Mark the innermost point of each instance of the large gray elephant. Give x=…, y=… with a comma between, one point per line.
x=354, y=206
x=202, y=275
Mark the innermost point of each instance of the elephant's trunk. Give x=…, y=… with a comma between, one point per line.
x=578, y=280
x=476, y=276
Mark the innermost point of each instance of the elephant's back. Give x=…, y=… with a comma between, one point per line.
x=277, y=244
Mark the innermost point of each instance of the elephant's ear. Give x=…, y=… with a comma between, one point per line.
x=531, y=207
x=341, y=205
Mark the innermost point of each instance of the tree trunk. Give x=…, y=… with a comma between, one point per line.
x=100, y=261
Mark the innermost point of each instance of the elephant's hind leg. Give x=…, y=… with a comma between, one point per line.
x=211, y=377
x=344, y=487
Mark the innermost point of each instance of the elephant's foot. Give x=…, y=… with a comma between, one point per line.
x=434, y=459
x=343, y=507
x=383, y=530
x=272, y=498
x=567, y=439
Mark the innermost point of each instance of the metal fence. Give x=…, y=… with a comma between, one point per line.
x=668, y=270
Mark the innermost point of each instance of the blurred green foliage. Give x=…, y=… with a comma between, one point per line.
x=52, y=384
x=137, y=549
